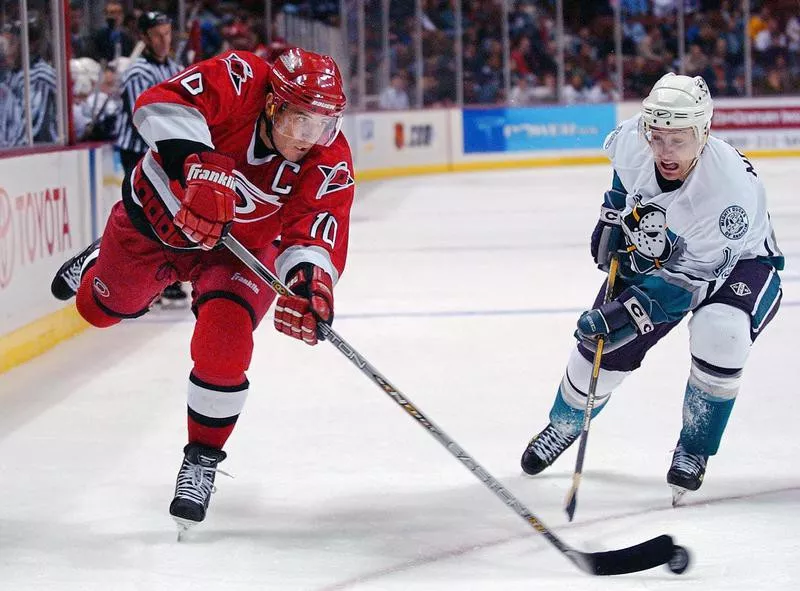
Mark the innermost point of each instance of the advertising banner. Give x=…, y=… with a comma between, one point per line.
x=770, y=127
x=400, y=139
x=575, y=127
x=45, y=217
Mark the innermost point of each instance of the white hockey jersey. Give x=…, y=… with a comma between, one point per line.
x=685, y=242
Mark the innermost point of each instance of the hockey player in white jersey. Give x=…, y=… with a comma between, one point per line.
x=687, y=218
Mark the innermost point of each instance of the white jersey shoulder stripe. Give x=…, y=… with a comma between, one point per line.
x=166, y=121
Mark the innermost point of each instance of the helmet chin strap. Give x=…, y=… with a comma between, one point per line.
x=703, y=143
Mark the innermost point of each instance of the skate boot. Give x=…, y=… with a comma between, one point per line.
x=194, y=485
x=173, y=296
x=686, y=473
x=65, y=283
x=545, y=448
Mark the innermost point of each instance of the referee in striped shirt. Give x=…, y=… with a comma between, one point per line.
x=152, y=67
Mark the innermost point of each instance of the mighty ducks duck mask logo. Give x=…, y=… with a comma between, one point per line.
x=650, y=243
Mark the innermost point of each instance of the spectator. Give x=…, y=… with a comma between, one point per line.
x=547, y=91
x=522, y=92
x=395, y=97
x=770, y=41
x=520, y=56
x=94, y=102
x=603, y=91
x=793, y=34
x=758, y=22
x=12, y=104
x=81, y=47
x=575, y=91
x=695, y=62
x=739, y=86
x=112, y=40
x=719, y=57
x=652, y=46
x=664, y=8
x=774, y=83
x=638, y=80
x=634, y=7
x=42, y=91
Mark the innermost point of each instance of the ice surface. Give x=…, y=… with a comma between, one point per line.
x=463, y=290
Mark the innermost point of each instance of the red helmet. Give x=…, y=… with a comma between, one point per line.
x=309, y=80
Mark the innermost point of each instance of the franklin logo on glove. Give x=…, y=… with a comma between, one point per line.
x=198, y=171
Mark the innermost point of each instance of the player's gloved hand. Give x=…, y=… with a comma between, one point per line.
x=617, y=322
x=607, y=237
x=209, y=202
x=312, y=302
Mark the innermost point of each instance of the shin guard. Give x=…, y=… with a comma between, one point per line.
x=222, y=346
x=707, y=405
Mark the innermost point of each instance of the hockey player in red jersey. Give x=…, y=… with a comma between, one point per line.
x=236, y=146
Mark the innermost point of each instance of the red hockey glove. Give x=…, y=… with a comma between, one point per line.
x=209, y=203
x=299, y=314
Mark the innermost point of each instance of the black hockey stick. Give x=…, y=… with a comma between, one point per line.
x=649, y=554
x=572, y=495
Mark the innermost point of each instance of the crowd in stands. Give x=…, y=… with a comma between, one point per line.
x=714, y=48
x=715, y=33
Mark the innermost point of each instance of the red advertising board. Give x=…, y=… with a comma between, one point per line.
x=728, y=118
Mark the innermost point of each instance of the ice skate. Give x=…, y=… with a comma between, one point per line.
x=544, y=449
x=68, y=278
x=686, y=473
x=194, y=485
x=173, y=297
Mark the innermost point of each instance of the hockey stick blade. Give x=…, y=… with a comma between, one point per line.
x=572, y=502
x=644, y=556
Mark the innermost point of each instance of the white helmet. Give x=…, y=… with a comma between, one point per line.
x=679, y=102
x=85, y=73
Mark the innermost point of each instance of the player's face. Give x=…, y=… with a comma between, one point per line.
x=295, y=130
x=159, y=39
x=12, y=47
x=674, y=151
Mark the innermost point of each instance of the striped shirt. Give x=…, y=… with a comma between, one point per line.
x=12, y=113
x=43, y=95
x=140, y=75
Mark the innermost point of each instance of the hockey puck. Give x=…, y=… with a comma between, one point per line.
x=679, y=561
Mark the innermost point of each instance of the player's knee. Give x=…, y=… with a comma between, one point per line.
x=720, y=336
x=90, y=310
x=575, y=384
x=222, y=343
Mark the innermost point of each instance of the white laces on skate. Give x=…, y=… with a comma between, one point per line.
x=196, y=482
x=72, y=276
x=550, y=443
x=687, y=463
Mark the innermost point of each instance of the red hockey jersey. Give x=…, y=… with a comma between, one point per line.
x=218, y=103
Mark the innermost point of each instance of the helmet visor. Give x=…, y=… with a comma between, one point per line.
x=674, y=145
x=305, y=126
